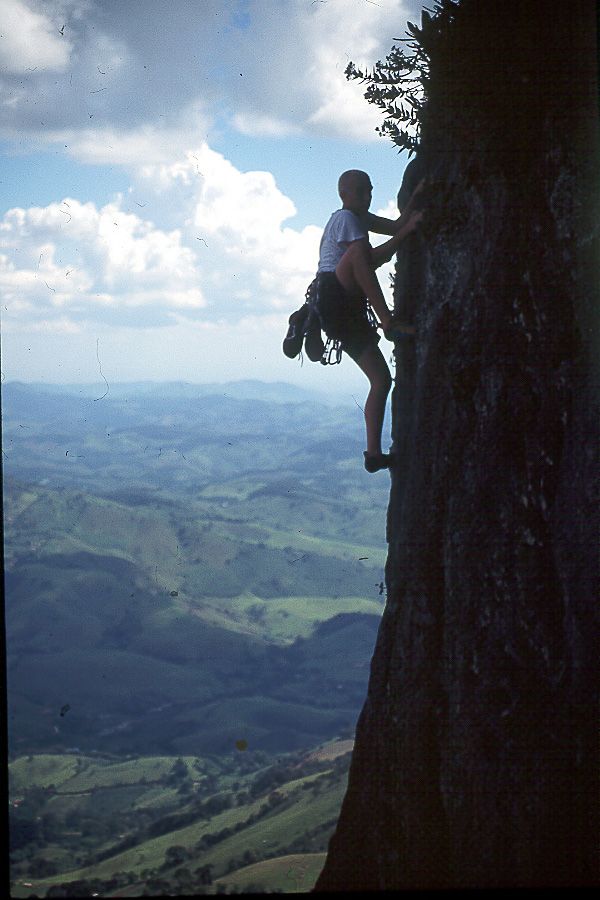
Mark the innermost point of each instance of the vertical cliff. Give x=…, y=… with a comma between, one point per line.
x=476, y=759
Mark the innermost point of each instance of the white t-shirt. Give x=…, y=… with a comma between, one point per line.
x=343, y=227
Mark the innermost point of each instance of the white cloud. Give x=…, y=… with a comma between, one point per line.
x=389, y=211
x=122, y=145
x=214, y=274
x=56, y=326
x=256, y=125
x=199, y=259
x=345, y=111
x=106, y=145
x=138, y=77
x=338, y=38
x=97, y=263
x=31, y=40
x=232, y=254
x=237, y=221
x=247, y=204
x=293, y=78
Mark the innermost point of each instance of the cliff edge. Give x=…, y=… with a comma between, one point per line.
x=476, y=761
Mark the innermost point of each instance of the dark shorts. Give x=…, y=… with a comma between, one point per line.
x=343, y=318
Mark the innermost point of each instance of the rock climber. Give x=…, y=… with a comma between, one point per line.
x=348, y=293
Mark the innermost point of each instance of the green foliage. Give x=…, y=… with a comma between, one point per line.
x=183, y=845
x=399, y=85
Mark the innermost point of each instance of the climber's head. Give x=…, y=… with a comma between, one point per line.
x=355, y=190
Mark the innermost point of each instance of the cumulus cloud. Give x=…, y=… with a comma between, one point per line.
x=296, y=79
x=92, y=264
x=31, y=40
x=223, y=251
x=257, y=125
x=145, y=74
x=198, y=253
x=237, y=220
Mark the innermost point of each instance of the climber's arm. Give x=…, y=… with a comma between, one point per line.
x=381, y=225
x=384, y=252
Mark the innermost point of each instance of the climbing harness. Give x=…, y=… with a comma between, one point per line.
x=306, y=324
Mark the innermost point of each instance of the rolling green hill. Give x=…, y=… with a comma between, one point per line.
x=295, y=872
x=194, y=582
x=185, y=825
x=170, y=555
x=121, y=619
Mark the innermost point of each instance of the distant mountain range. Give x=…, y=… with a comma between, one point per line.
x=246, y=389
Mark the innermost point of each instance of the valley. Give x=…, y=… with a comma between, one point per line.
x=187, y=573
x=185, y=825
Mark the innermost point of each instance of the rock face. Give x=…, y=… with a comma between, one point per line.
x=476, y=758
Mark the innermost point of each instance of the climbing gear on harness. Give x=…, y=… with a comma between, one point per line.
x=292, y=343
x=304, y=327
x=332, y=354
x=313, y=342
x=347, y=321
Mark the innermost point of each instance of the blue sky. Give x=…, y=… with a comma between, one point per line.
x=168, y=167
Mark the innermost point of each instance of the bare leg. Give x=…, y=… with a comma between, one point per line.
x=356, y=274
x=373, y=364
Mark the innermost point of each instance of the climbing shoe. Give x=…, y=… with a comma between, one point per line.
x=292, y=343
x=313, y=342
x=376, y=463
